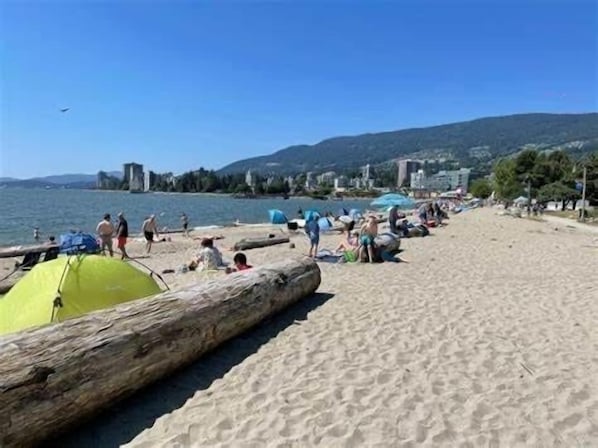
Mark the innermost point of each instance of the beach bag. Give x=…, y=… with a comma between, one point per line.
x=350, y=256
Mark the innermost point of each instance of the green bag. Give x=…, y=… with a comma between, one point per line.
x=350, y=256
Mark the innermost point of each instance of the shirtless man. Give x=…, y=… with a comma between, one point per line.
x=369, y=231
x=149, y=229
x=105, y=231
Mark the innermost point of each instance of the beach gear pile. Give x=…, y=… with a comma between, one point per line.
x=71, y=286
x=78, y=243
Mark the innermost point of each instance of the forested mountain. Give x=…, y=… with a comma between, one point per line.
x=471, y=143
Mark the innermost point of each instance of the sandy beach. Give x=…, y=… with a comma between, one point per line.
x=484, y=336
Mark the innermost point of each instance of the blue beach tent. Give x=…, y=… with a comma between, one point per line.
x=277, y=217
x=78, y=243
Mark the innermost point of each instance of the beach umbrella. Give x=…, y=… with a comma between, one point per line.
x=311, y=213
x=343, y=212
x=277, y=217
x=345, y=219
x=325, y=224
x=394, y=199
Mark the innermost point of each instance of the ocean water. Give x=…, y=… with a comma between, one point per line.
x=58, y=211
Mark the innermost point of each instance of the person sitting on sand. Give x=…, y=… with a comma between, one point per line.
x=240, y=261
x=312, y=229
x=403, y=228
x=209, y=257
x=369, y=231
x=350, y=242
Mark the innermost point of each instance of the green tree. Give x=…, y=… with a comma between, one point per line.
x=506, y=181
x=481, y=188
x=558, y=191
x=591, y=164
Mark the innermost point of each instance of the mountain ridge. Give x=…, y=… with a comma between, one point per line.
x=76, y=180
x=485, y=139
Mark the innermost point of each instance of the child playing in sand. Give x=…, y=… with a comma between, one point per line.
x=312, y=229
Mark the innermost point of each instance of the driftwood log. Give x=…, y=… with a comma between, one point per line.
x=19, y=251
x=53, y=376
x=254, y=243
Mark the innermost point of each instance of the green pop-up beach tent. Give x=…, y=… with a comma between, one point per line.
x=71, y=286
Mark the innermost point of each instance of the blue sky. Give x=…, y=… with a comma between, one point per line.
x=178, y=85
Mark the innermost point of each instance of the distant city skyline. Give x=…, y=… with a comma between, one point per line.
x=184, y=85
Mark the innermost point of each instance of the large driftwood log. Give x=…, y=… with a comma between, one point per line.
x=254, y=243
x=53, y=376
x=19, y=251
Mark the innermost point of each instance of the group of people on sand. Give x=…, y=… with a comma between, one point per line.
x=106, y=231
x=210, y=258
x=358, y=244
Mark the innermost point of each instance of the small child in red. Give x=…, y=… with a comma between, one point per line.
x=240, y=261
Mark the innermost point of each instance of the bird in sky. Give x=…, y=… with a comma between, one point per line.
x=66, y=109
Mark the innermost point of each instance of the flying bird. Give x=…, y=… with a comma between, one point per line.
x=65, y=109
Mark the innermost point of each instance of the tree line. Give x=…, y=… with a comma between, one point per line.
x=553, y=176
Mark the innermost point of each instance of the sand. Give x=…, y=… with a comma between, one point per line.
x=486, y=336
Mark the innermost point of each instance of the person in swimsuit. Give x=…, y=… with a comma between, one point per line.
x=105, y=231
x=369, y=231
x=122, y=233
x=149, y=229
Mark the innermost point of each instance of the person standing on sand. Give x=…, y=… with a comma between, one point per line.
x=105, y=231
x=368, y=233
x=312, y=228
x=122, y=233
x=185, y=221
x=393, y=217
x=149, y=229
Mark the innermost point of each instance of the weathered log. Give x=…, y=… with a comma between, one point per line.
x=18, y=251
x=53, y=376
x=254, y=243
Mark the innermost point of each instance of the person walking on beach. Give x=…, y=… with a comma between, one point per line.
x=122, y=233
x=105, y=231
x=185, y=221
x=312, y=228
x=149, y=229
